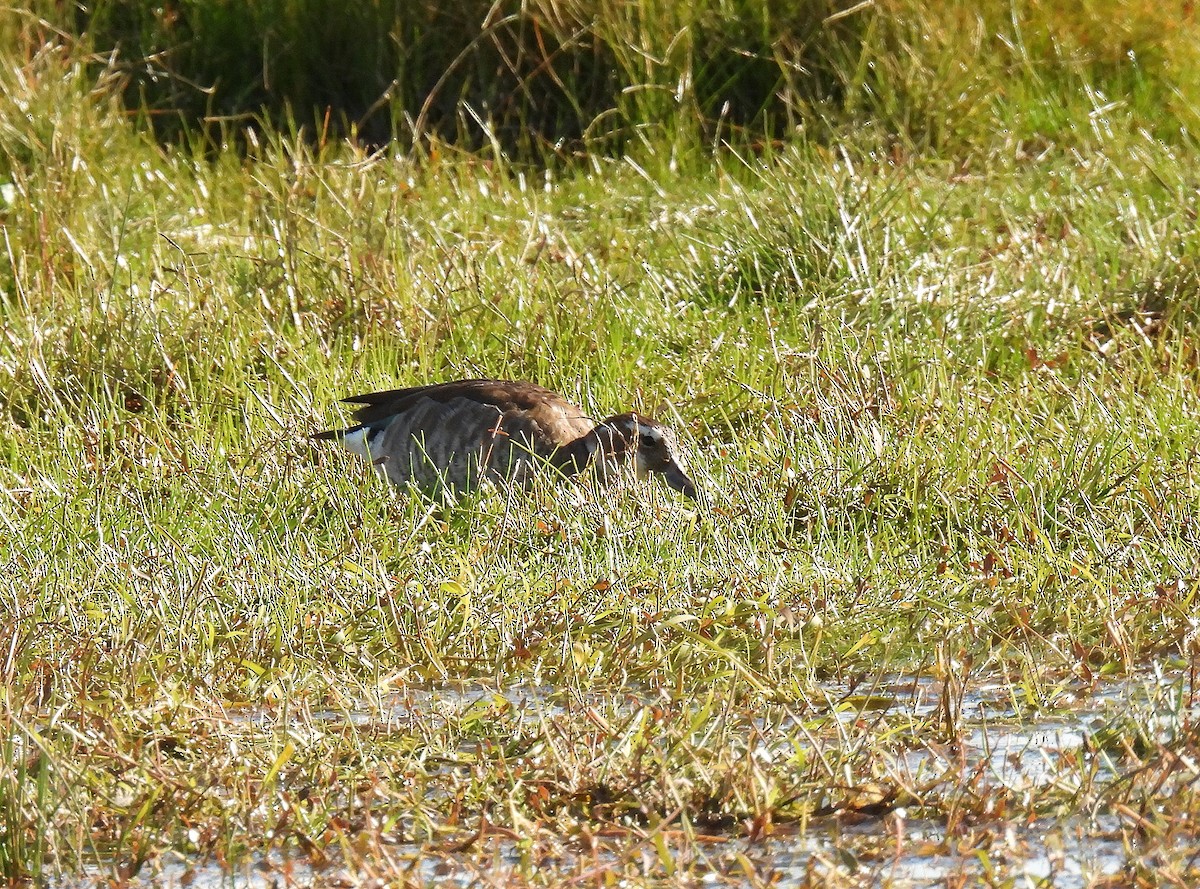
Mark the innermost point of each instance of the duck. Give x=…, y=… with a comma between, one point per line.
x=446, y=438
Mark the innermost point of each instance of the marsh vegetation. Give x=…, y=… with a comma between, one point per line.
x=927, y=323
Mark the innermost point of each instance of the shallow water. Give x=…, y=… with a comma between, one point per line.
x=1063, y=855
x=1000, y=742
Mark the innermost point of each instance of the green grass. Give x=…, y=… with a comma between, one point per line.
x=944, y=406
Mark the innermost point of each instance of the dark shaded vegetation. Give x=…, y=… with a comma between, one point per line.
x=545, y=79
x=534, y=78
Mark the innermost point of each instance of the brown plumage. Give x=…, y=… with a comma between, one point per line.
x=445, y=437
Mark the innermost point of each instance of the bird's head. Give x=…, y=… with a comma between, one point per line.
x=652, y=445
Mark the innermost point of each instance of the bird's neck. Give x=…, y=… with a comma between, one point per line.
x=602, y=445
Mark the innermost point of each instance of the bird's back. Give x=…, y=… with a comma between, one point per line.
x=447, y=436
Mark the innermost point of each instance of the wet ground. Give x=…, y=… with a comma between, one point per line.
x=1011, y=748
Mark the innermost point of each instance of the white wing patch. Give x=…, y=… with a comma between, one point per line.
x=358, y=442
